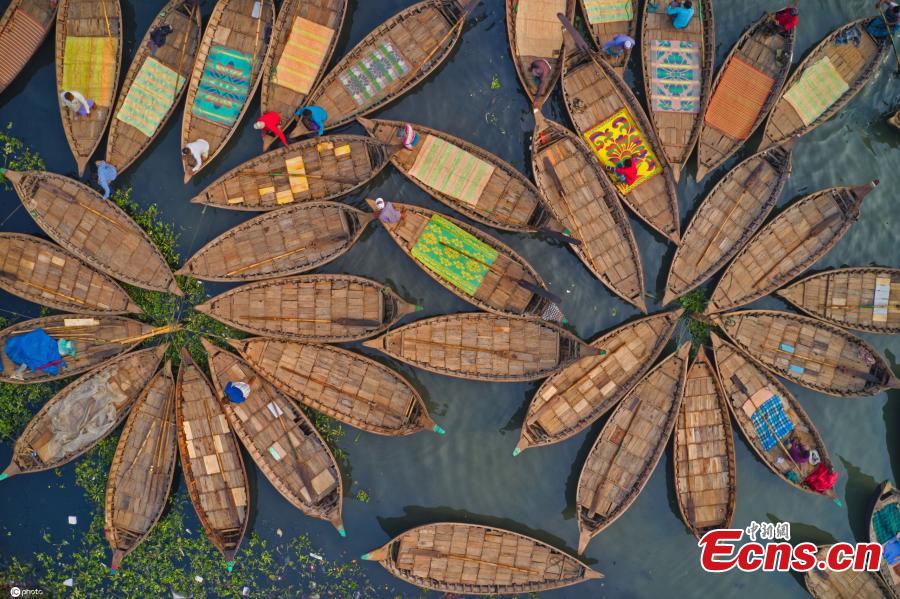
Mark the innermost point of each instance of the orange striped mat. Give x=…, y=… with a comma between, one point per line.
x=738, y=99
x=18, y=42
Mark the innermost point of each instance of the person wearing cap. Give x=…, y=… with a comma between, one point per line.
x=681, y=11
x=237, y=392
x=269, y=124
x=386, y=212
x=39, y=352
x=618, y=44
x=787, y=18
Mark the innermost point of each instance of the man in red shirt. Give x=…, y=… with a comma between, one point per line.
x=787, y=18
x=627, y=171
x=269, y=124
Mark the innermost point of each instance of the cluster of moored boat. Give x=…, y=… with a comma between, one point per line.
x=296, y=315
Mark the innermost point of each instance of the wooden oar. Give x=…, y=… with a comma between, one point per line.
x=560, y=190
x=169, y=328
x=507, y=353
x=350, y=322
x=734, y=207
x=522, y=283
x=340, y=180
x=815, y=231
x=16, y=279
x=771, y=429
x=890, y=35
x=109, y=219
x=187, y=38
x=335, y=238
x=440, y=555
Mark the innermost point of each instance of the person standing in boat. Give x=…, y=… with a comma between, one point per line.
x=618, y=44
x=681, y=12
x=890, y=14
x=269, y=124
x=76, y=102
x=106, y=174
x=542, y=71
x=194, y=153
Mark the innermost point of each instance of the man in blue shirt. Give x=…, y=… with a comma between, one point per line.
x=313, y=118
x=681, y=13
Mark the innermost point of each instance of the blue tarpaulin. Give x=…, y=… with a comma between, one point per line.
x=37, y=350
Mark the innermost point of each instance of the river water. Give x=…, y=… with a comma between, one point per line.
x=470, y=474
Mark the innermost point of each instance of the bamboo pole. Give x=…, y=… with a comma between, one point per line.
x=184, y=44
x=734, y=207
x=285, y=255
x=439, y=555
x=890, y=35
x=106, y=18
x=814, y=232
x=296, y=174
x=16, y=279
x=554, y=177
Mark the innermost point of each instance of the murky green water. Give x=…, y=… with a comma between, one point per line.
x=470, y=474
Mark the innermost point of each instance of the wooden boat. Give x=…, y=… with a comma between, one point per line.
x=611, y=479
x=744, y=91
x=605, y=20
x=670, y=57
x=507, y=285
x=83, y=413
x=341, y=384
x=883, y=528
x=283, y=242
x=703, y=452
x=93, y=229
x=303, y=42
x=484, y=347
x=469, y=559
x=88, y=60
x=535, y=34
x=729, y=215
x=226, y=73
x=809, y=352
x=23, y=28
x=143, y=467
x=211, y=461
x=406, y=49
x=570, y=401
x=837, y=584
x=44, y=273
x=602, y=106
x=749, y=387
x=313, y=170
x=97, y=339
x=154, y=84
x=842, y=69
x=281, y=440
x=581, y=197
x=465, y=177
x=863, y=298
x=789, y=244
x=315, y=307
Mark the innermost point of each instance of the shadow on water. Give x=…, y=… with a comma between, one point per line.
x=667, y=462
x=416, y=515
x=514, y=424
x=860, y=489
x=568, y=512
x=804, y=533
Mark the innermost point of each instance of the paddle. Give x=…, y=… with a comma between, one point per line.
x=334, y=238
x=891, y=37
x=187, y=37
x=522, y=283
x=108, y=219
x=340, y=180
x=448, y=556
x=16, y=279
x=557, y=183
x=350, y=322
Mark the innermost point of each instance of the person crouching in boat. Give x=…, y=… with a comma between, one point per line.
x=542, y=72
x=237, y=392
x=38, y=352
x=386, y=212
x=625, y=171
x=888, y=19
x=408, y=136
x=617, y=45
x=313, y=118
x=681, y=12
x=269, y=124
x=194, y=153
x=76, y=102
